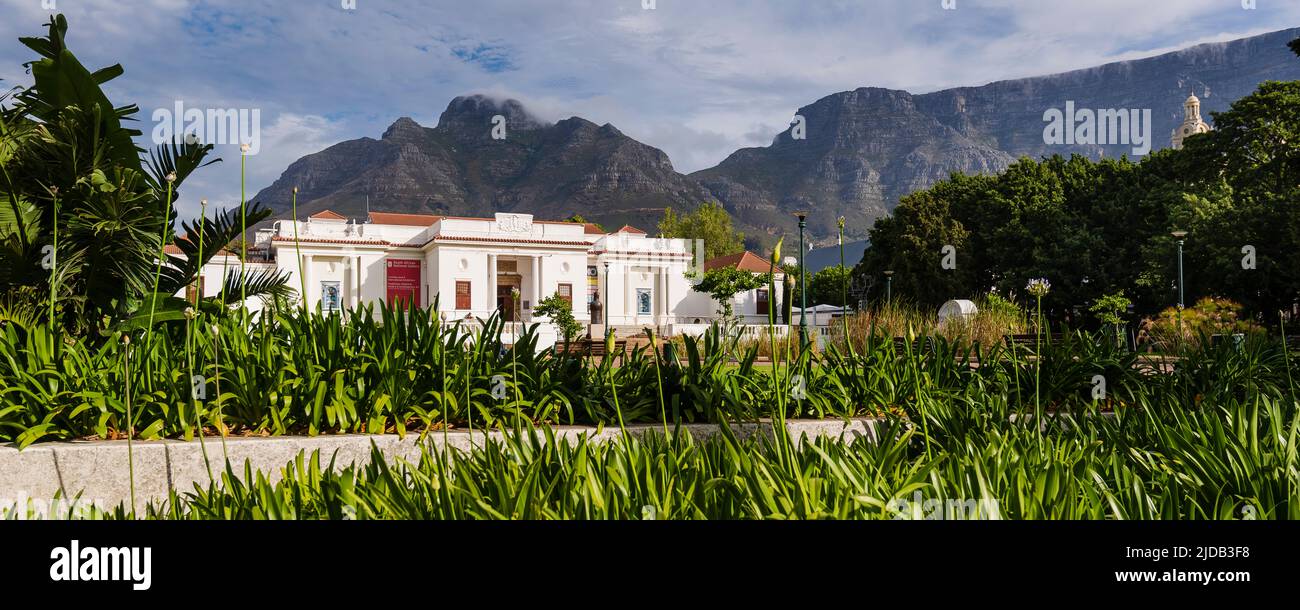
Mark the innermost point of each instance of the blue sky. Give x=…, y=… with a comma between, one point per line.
x=696, y=78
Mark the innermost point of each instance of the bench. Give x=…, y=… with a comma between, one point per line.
x=590, y=347
x=1032, y=341
x=921, y=345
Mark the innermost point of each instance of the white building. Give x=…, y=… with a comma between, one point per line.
x=471, y=267
x=752, y=306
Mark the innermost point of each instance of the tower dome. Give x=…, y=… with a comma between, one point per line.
x=1192, y=122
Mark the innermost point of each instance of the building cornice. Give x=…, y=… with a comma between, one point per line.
x=506, y=240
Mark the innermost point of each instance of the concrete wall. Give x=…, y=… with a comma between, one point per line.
x=98, y=470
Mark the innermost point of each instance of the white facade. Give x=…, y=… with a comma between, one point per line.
x=471, y=267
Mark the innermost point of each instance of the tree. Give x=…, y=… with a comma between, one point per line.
x=68, y=165
x=827, y=286
x=1109, y=310
x=580, y=219
x=711, y=223
x=912, y=243
x=724, y=283
x=1245, y=202
x=560, y=312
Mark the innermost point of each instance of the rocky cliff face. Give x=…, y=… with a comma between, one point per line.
x=457, y=168
x=862, y=150
x=865, y=149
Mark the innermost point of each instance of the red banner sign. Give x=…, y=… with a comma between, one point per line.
x=403, y=282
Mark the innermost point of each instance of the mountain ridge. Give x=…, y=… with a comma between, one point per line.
x=864, y=149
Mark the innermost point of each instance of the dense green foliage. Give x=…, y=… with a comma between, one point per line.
x=827, y=287
x=1097, y=227
x=1168, y=452
x=83, y=218
x=401, y=370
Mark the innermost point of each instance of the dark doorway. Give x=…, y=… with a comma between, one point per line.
x=506, y=304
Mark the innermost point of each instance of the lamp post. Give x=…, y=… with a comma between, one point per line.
x=803, y=283
x=889, y=287
x=1181, y=236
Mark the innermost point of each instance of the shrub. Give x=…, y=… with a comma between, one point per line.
x=1209, y=316
x=560, y=312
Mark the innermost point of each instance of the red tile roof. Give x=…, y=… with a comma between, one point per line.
x=405, y=220
x=175, y=250
x=630, y=229
x=328, y=215
x=745, y=261
x=591, y=229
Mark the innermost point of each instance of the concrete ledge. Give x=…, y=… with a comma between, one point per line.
x=98, y=470
x=30, y=473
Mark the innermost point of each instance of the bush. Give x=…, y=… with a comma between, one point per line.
x=1209, y=316
x=560, y=312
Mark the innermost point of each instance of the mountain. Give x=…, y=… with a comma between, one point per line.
x=864, y=149
x=457, y=168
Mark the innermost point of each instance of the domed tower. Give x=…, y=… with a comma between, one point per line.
x=1192, y=123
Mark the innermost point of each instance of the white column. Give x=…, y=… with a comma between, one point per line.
x=356, y=298
x=662, y=297
x=629, y=306
x=305, y=270
x=490, y=293
x=537, y=280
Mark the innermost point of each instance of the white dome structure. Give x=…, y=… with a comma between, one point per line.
x=1192, y=122
x=959, y=309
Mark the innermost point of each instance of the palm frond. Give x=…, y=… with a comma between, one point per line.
x=178, y=157
x=263, y=283
x=222, y=229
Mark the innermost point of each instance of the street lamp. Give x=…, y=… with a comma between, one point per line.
x=1181, y=236
x=803, y=283
x=889, y=287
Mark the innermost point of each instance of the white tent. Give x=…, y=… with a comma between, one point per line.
x=961, y=309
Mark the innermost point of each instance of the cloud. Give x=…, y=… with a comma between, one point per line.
x=696, y=79
x=288, y=138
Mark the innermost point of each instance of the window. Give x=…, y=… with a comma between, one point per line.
x=566, y=292
x=331, y=296
x=644, y=302
x=762, y=302
x=462, y=295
